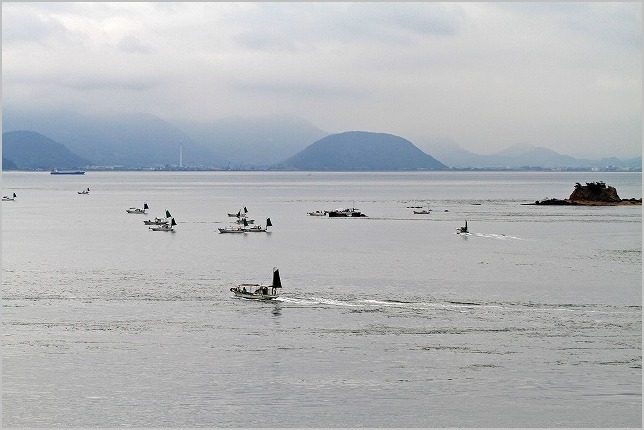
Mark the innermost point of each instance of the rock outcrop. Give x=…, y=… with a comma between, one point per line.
x=592, y=194
x=595, y=192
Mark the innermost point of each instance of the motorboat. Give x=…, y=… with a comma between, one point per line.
x=232, y=229
x=423, y=211
x=159, y=221
x=164, y=227
x=462, y=230
x=345, y=212
x=258, y=291
x=317, y=213
x=239, y=213
x=138, y=210
x=9, y=199
x=84, y=191
x=259, y=228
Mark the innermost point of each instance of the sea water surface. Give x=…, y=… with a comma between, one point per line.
x=392, y=320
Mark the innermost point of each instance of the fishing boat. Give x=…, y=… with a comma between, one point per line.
x=345, y=212
x=84, y=191
x=423, y=211
x=233, y=229
x=257, y=291
x=138, y=210
x=259, y=228
x=462, y=230
x=67, y=172
x=164, y=227
x=239, y=213
x=159, y=221
x=9, y=199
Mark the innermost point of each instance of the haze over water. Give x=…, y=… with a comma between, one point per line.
x=393, y=320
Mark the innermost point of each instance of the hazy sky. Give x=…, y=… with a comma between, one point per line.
x=567, y=76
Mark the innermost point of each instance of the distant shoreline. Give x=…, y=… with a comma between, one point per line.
x=459, y=170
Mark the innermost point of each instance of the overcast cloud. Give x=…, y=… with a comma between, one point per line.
x=567, y=76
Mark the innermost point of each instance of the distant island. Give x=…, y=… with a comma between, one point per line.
x=592, y=194
x=361, y=151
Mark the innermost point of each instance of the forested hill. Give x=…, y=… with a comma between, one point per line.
x=31, y=150
x=361, y=151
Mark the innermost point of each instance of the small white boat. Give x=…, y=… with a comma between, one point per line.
x=239, y=213
x=259, y=228
x=9, y=199
x=164, y=227
x=317, y=213
x=232, y=229
x=138, y=210
x=462, y=230
x=423, y=211
x=159, y=221
x=84, y=191
x=257, y=291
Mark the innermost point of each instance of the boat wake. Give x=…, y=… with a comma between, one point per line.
x=492, y=236
x=371, y=304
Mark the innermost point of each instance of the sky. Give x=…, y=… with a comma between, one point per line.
x=565, y=76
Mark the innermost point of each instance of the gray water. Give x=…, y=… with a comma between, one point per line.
x=393, y=320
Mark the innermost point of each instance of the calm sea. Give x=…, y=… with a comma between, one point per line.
x=392, y=320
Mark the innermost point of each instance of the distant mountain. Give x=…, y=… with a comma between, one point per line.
x=256, y=141
x=516, y=157
x=31, y=150
x=140, y=140
x=8, y=164
x=130, y=140
x=361, y=150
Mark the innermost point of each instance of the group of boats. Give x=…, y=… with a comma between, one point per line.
x=242, y=224
x=340, y=212
x=166, y=223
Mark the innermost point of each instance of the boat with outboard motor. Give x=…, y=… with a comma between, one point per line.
x=164, y=227
x=423, y=211
x=258, y=291
x=259, y=228
x=159, y=221
x=84, y=191
x=233, y=229
x=345, y=212
x=9, y=199
x=462, y=230
x=138, y=210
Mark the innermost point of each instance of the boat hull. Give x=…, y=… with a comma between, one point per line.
x=74, y=172
x=231, y=230
x=253, y=296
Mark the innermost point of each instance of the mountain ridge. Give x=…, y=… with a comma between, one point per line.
x=518, y=156
x=140, y=140
x=361, y=151
x=24, y=149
